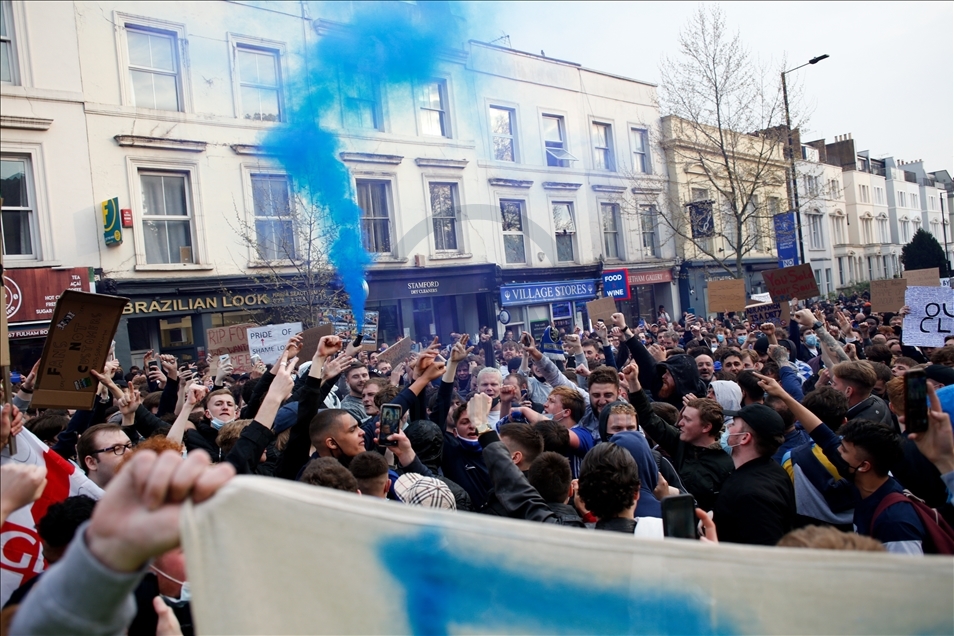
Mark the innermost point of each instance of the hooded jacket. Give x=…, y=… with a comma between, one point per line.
x=638, y=447
x=684, y=371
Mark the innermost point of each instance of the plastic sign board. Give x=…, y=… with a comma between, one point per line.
x=616, y=284
x=80, y=337
x=269, y=342
x=112, y=230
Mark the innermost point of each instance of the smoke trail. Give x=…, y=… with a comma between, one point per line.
x=397, y=42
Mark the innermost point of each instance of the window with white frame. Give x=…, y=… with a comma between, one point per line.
x=915, y=225
x=932, y=203
x=512, y=214
x=883, y=233
x=640, y=139
x=834, y=189
x=609, y=215
x=274, y=223
x=902, y=199
x=154, y=68
x=754, y=225
x=774, y=206
x=166, y=217
x=8, y=54
x=867, y=230
x=445, y=204
x=811, y=185
x=432, y=99
x=864, y=194
x=502, y=128
x=647, y=225
x=603, y=157
x=915, y=203
x=936, y=229
x=259, y=83
x=362, y=102
x=905, y=230
x=564, y=226
x=879, y=195
x=838, y=227
x=841, y=271
x=374, y=199
x=815, y=230
x=19, y=208
x=554, y=141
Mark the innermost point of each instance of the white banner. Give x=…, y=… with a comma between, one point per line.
x=267, y=556
x=269, y=341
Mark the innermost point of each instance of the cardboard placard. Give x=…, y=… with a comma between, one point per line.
x=81, y=335
x=931, y=318
x=232, y=340
x=930, y=277
x=269, y=342
x=791, y=282
x=888, y=295
x=767, y=312
x=602, y=309
x=396, y=353
x=726, y=295
x=310, y=339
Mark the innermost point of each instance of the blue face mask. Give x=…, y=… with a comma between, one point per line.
x=741, y=339
x=720, y=337
x=217, y=423
x=724, y=441
x=811, y=341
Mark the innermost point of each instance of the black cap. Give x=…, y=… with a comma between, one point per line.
x=940, y=374
x=761, y=419
x=761, y=345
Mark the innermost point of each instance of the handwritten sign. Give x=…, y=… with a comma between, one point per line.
x=602, y=309
x=888, y=295
x=766, y=312
x=268, y=342
x=930, y=277
x=81, y=335
x=232, y=340
x=397, y=353
x=931, y=318
x=726, y=295
x=791, y=282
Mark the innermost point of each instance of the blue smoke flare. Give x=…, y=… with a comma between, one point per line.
x=399, y=44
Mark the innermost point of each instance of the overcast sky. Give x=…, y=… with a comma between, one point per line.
x=889, y=81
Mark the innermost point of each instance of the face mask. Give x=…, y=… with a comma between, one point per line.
x=217, y=423
x=741, y=339
x=849, y=339
x=720, y=337
x=811, y=341
x=724, y=441
x=185, y=594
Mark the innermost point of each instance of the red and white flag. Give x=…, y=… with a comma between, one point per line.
x=21, y=553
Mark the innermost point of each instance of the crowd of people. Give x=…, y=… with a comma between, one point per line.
x=787, y=435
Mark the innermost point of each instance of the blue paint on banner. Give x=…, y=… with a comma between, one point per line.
x=473, y=592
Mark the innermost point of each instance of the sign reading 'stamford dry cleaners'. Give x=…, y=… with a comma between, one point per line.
x=32, y=293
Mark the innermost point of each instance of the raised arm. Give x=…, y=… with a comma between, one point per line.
x=806, y=318
x=194, y=395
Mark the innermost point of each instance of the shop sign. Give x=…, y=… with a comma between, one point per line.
x=32, y=293
x=616, y=284
x=538, y=293
x=199, y=303
x=423, y=287
x=28, y=333
x=651, y=277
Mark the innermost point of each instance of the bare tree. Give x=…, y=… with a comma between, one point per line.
x=723, y=136
x=288, y=239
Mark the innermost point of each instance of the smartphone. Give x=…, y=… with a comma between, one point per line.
x=256, y=359
x=390, y=423
x=915, y=401
x=523, y=395
x=679, y=517
x=224, y=359
x=153, y=364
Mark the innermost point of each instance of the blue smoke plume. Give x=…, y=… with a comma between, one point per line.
x=398, y=43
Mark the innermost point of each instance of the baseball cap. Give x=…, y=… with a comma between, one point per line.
x=761, y=345
x=940, y=374
x=761, y=419
x=417, y=490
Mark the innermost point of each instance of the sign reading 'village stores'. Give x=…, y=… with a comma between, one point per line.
x=534, y=293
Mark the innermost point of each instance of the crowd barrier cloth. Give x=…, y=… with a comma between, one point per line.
x=267, y=556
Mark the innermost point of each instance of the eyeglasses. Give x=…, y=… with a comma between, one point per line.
x=118, y=449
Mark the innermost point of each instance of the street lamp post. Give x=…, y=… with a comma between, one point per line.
x=793, y=200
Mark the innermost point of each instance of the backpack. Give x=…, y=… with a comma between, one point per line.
x=940, y=535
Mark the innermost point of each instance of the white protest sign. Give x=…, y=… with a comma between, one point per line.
x=931, y=318
x=269, y=341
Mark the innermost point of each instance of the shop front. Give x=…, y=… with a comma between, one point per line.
x=421, y=303
x=649, y=288
x=533, y=305
x=31, y=296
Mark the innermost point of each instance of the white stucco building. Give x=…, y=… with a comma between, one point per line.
x=500, y=174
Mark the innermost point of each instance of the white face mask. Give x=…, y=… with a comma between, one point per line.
x=185, y=593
